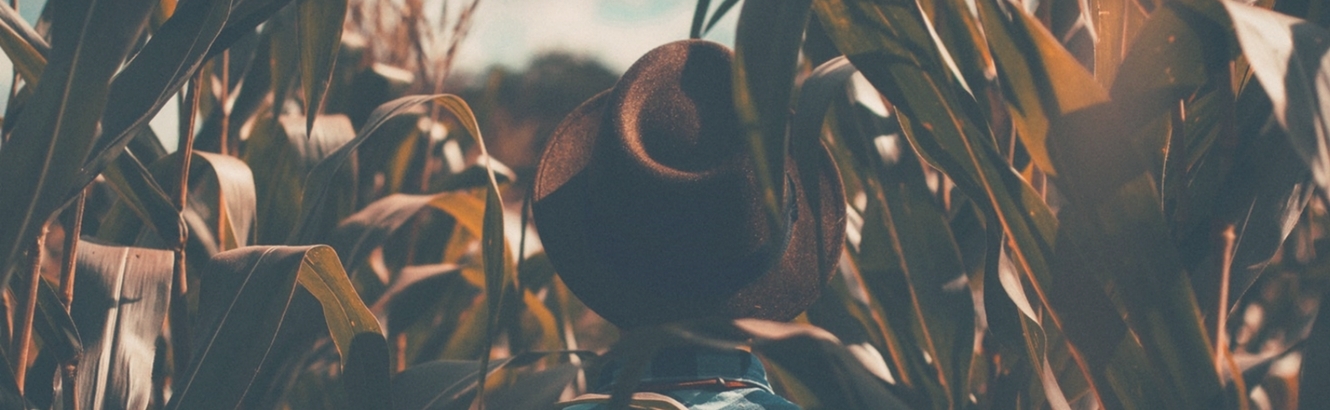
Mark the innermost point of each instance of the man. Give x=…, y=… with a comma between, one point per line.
x=648, y=204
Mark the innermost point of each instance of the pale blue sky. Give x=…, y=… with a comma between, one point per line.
x=615, y=31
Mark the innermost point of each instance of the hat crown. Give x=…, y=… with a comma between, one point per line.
x=684, y=216
x=647, y=201
x=675, y=114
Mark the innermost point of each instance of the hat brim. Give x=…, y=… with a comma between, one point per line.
x=563, y=219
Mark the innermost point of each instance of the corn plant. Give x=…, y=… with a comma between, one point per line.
x=1054, y=204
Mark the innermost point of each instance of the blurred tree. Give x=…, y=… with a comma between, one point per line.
x=519, y=110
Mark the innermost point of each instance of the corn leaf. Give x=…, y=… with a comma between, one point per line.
x=52, y=322
x=765, y=53
x=245, y=295
x=961, y=33
x=910, y=275
x=140, y=193
x=24, y=47
x=10, y=396
x=320, y=28
x=1312, y=383
x=363, y=232
x=699, y=16
x=493, y=248
x=1117, y=22
x=1044, y=81
x=154, y=75
x=123, y=299
x=283, y=159
x=320, y=182
x=246, y=16
x=365, y=373
x=899, y=58
x=55, y=131
x=1289, y=57
x=537, y=390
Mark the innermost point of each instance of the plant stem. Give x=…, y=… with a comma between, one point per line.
x=6, y=308
x=13, y=79
x=73, y=230
x=29, y=310
x=179, y=315
x=72, y=233
x=1227, y=239
x=225, y=97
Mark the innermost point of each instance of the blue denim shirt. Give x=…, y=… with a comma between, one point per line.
x=728, y=380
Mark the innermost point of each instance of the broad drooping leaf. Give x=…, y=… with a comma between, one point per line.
x=243, y=299
x=497, y=261
x=366, y=230
x=1043, y=81
x=123, y=294
x=283, y=159
x=221, y=207
x=54, y=134
x=220, y=212
x=1289, y=57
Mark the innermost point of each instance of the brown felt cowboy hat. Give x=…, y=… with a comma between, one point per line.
x=648, y=205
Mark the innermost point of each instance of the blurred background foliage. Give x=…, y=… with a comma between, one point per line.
x=1052, y=204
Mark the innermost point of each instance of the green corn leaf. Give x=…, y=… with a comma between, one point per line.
x=141, y=193
x=1044, y=81
x=10, y=395
x=245, y=295
x=284, y=160
x=916, y=276
x=1117, y=23
x=320, y=26
x=961, y=32
x=357, y=236
x=159, y=69
x=766, y=51
x=699, y=16
x=900, y=60
x=494, y=250
x=123, y=298
x=365, y=373
x=51, y=321
x=1288, y=56
x=24, y=47
x=55, y=132
x=497, y=261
